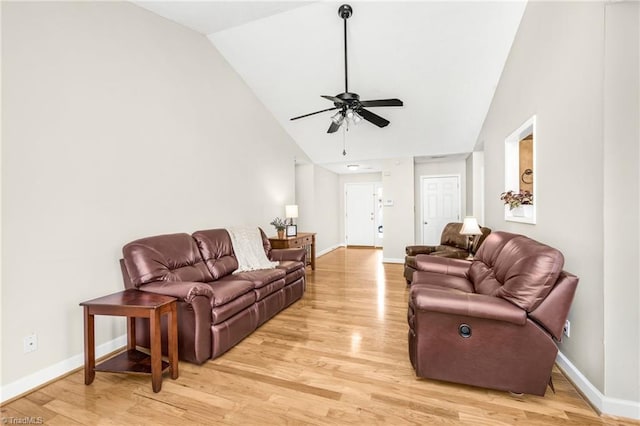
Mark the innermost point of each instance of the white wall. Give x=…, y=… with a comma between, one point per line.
x=622, y=219
x=318, y=199
x=556, y=70
x=327, y=205
x=475, y=186
x=398, y=186
x=117, y=124
x=440, y=168
x=305, y=197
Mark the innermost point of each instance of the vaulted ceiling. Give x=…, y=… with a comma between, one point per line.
x=442, y=59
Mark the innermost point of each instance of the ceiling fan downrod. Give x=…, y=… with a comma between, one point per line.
x=345, y=11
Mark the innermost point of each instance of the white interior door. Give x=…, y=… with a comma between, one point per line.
x=440, y=205
x=360, y=214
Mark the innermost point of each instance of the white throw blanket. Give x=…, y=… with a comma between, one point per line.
x=247, y=245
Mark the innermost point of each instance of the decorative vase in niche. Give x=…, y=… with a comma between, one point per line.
x=517, y=211
x=281, y=234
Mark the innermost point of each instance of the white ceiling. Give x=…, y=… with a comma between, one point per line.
x=442, y=59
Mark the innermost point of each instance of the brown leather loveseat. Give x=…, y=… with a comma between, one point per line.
x=216, y=309
x=452, y=244
x=492, y=322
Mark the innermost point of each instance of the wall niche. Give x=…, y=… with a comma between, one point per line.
x=520, y=171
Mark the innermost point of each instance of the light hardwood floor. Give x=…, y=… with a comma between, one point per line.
x=338, y=356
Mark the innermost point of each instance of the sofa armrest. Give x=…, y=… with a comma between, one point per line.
x=467, y=304
x=443, y=265
x=297, y=254
x=416, y=250
x=182, y=290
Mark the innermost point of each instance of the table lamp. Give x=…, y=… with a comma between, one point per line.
x=291, y=212
x=470, y=228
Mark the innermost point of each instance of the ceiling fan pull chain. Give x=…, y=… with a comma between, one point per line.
x=344, y=141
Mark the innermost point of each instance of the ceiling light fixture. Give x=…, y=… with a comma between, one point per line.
x=353, y=167
x=352, y=116
x=338, y=118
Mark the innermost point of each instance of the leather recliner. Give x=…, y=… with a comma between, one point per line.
x=493, y=322
x=452, y=244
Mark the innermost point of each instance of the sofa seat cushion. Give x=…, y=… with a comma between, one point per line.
x=259, y=278
x=222, y=313
x=289, y=266
x=294, y=275
x=438, y=280
x=269, y=289
x=453, y=253
x=226, y=290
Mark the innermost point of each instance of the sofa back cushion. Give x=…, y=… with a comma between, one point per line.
x=173, y=257
x=451, y=236
x=217, y=251
x=516, y=268
x=265, y=243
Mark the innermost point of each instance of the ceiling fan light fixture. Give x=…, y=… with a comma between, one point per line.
x=351, y=110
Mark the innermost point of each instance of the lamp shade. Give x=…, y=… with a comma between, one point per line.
x=291, y=211
x=470, y=227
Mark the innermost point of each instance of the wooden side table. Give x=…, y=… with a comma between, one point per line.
x=302, y=240
x=133, y=304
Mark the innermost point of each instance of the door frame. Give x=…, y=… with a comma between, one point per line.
x=375, y=210
x=422, y=178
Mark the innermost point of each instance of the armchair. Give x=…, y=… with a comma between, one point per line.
x=452, y=244
x=492, y=322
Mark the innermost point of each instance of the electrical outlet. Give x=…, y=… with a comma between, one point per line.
x=30, y=343
x=567, y=328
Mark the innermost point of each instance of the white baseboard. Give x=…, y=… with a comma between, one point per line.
x=327, y=250
x=392, y=260
x=48, y=374
x=604, y=404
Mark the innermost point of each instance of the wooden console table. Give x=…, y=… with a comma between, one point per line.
x=133, y=304
x=302, y=240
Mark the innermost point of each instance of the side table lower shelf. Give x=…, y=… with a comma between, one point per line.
x=130, y=361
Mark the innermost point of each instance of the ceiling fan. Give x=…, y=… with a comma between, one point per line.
x=351, y=108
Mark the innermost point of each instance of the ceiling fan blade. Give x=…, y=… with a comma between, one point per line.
x=381, y=103
x=373, y=118
x=333, y=99
x=334, y=127
x=312, y=113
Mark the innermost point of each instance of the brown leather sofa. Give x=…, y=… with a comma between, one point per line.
x=216, y=309
x=452, y=244
x=492, y=322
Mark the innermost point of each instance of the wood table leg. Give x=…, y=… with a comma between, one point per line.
x=313, y=252
x=131, y=333
x=156, y=349
x=172, y=340
x=89, y=347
